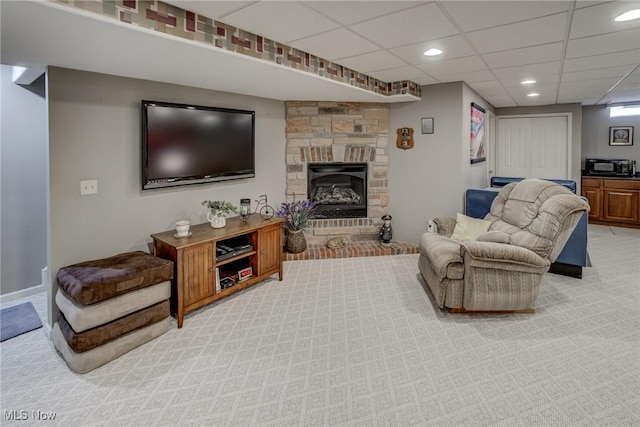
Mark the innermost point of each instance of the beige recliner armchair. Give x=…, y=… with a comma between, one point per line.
x=532, y=219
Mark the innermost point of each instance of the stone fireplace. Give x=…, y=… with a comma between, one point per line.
x=338, y=189
x=323, y=137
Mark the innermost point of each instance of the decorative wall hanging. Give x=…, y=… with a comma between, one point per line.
x=621, y=135
x=427, y=125
x=477, y=152
x=405, y=138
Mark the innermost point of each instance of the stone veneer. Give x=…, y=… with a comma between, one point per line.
x=320, y=131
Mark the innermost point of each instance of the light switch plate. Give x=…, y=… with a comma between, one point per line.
x=88, y=187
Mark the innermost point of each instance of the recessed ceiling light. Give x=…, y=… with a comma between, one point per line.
x=533, y=94
x=628, y=16
x=433, y=52
x=527, y=82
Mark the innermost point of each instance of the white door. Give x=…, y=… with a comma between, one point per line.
x=533, y=147
x=514, y=138
x=549, y=148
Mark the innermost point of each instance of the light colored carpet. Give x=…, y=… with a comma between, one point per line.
x=358, y=341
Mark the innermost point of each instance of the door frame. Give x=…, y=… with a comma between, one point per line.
x=569, y=147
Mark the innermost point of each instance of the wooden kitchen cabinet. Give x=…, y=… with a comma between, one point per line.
x=613, y=201
x=592, y=190
x=198, y=265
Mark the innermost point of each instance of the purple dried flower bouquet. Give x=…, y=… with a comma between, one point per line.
x=296, y=214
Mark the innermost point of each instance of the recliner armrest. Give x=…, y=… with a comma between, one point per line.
x=501, y=255
x=445, y=225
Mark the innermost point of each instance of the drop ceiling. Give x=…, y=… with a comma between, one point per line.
x=574, y=50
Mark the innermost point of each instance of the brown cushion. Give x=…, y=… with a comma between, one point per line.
x=93, y=281
x=92, y=338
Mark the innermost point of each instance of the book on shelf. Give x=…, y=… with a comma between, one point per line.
x=217, y=279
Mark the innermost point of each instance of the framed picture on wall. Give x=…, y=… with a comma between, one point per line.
x=621, y=135
x=427, y=125
x=477, y=149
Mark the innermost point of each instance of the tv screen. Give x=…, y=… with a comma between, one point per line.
x=192, y=144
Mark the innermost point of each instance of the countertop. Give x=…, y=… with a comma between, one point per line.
x=626, y=178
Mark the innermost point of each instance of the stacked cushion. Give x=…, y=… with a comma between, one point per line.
x=110, y=306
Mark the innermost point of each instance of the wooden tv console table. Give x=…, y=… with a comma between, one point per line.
x=194, y=257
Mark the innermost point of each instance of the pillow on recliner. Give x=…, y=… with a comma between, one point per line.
x=468, y=228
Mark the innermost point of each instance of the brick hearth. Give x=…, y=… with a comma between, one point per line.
x=354, y=249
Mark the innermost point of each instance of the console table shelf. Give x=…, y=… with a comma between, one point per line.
x=195, y=279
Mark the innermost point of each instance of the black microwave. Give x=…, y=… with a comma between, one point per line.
x=608, y=167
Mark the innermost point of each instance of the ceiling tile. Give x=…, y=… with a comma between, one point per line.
x=440, y=69
x=452, y=47
x=425, y=81
x=532, y=71
x=210, y=9
x=476, y=15
x=525, y=55
x=374, y=61
x=544, y=79
x=466, y=76
x=588, y=3
x=499, y=101
x=585, y=89
x=488, y=86
x=545, y=90
x=610, y=72
x=335, y=44
x=396, y=74
x=280, y=21
x=632, y=95
x=603, y=84
x=600, y=19
x=350, y=12
x=602, y=61
x=605, y=43
x=409, y=26
x=528, y=33
x=524, y=101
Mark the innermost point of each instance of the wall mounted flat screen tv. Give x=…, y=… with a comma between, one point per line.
x=192, y=144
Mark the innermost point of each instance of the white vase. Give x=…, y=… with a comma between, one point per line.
x=217, y=221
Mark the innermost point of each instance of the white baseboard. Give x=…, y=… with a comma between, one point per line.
x=21, y=294
x=46, y=328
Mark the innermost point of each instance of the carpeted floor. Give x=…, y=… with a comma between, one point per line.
x=358, y=341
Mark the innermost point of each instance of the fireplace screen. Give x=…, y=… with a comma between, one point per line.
x=339, y=189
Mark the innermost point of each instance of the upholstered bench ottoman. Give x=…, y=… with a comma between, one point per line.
x=110, y=306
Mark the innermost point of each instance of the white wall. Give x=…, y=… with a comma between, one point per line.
x=95, y=134
x=23, y=183
x=429, y=180
x=595, y=135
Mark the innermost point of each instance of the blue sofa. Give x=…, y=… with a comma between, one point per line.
x=574, y=255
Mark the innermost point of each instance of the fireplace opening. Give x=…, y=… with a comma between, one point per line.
x=338, y=189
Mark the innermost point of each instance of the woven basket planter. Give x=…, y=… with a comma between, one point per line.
x=295, y=242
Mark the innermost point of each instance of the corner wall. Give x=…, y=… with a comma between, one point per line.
x=23, y=183
x=95, y=134
x=430, y=179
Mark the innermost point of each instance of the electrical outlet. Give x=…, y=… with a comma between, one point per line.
x=88, y=187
